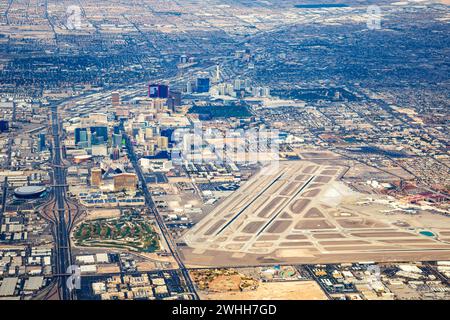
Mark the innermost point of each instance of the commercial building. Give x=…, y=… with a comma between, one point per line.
x=81, y=137
x=42, y=142
x=163, y=143
x=99, y=150
x=33, y=283
x=115, y=154
x=158, y=91
x=116, y=140
x=125, y=181
x=99, y=134
x=203, y=85
x=174, y=101
x=4, y=125
x=8, y=287
x=115, y=100
x=82, y=158
x=96, y=176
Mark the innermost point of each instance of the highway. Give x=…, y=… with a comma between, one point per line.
x=165, y=232
x=62, y=246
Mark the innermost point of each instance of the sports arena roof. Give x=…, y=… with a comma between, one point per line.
x=29, y=191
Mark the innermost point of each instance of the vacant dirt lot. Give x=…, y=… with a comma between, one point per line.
x=225, y=283
x=103, y=214
x=293, y=290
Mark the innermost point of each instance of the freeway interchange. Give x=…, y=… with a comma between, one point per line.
x=62, y=241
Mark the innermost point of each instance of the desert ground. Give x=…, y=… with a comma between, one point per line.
x=290, y=290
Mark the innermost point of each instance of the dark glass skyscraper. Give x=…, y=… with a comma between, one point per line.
x=4, y=125
x=99, y=134
x=80, y=135
x=203, y=85
x=41, y=143
x=158, y=91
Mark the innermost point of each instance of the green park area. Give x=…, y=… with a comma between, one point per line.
x=123, y=233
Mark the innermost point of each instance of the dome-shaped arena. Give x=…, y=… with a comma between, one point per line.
x=29, y=192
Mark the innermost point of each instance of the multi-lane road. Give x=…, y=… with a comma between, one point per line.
x=152, y=207
x=62, y=246
x=62, y=219
x=62, y=223
x=61, y=229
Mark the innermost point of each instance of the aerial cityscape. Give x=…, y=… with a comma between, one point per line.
x=224, y=150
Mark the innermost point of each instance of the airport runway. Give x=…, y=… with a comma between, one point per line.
x=302, y=214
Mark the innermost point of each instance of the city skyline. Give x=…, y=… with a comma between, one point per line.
x=224, y=150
